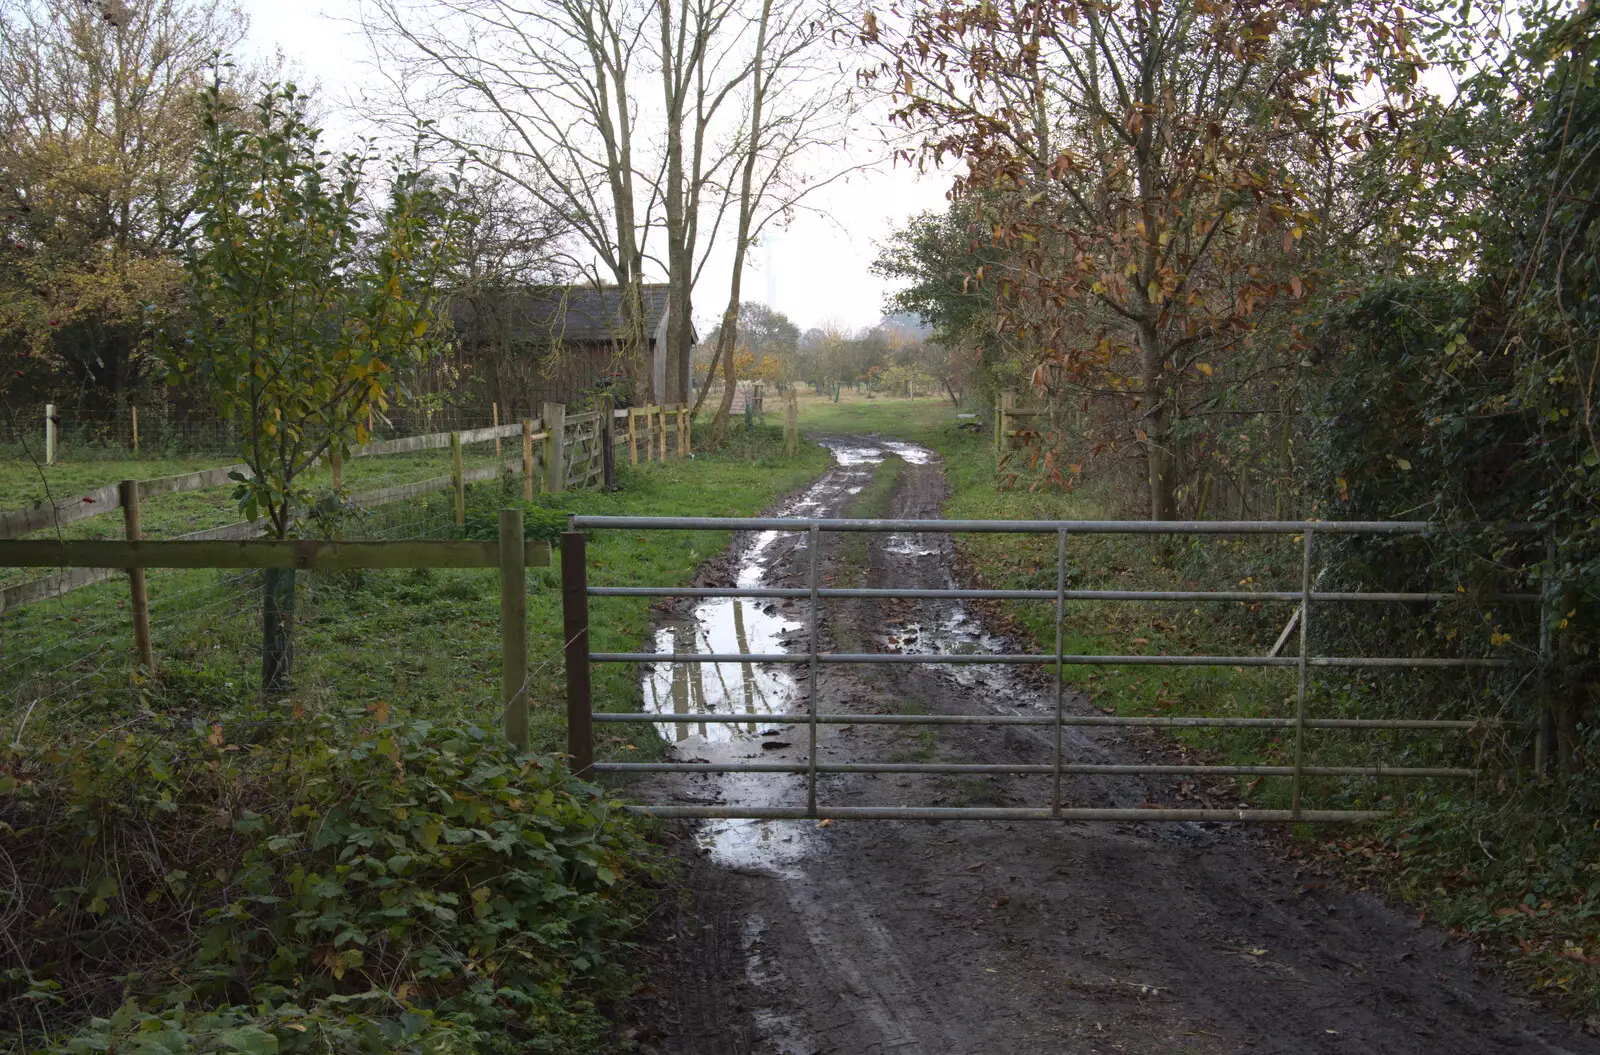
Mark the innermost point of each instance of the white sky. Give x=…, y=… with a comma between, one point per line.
x=814, y=271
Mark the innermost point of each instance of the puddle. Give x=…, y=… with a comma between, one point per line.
x=720, y=624
x=906, y=545
x=756, y=625
x=959, y=634
x=910, y=452
x=767, y=846
x=847, y=455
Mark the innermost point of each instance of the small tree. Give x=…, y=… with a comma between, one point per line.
x=297, y=321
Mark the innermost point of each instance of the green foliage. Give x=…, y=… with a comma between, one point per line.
x=102, y=122
x=300, y=319
x=936, y=253
x=367, y=884
x=331, y=1025
x=539, y=521
x=1469, y=402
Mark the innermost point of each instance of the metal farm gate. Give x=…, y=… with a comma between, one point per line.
x=577, y=591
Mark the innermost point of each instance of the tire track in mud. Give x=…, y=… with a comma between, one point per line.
x=868, y=937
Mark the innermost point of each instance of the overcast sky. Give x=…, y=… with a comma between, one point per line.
x=816, y=271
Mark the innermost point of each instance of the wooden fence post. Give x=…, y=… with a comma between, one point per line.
x=134, y=412
x=494, y=409
x=527, y=460
x=791, y=424
x=457, y=478
x=49, y=433
x=575, y=631
x=662, y=448
x=633, y=436
x=140, y=600
x=555, y=436
x=514, y=628
x=688, y=434
x=608, y=442
x=683, y=447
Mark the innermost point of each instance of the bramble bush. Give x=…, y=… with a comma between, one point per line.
x=330, y=882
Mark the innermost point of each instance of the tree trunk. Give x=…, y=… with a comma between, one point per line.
x=679, y=266
x=1157, y=426
x=679, y=308
x=730, y=326
x=636, y=343
x=711, y=375
x=277, y=629
x=730, y=318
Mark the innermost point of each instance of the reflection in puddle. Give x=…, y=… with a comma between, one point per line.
x=959, y=634
x=847, y=456
x=909, y=452
x=772, y=846
x=720, y=624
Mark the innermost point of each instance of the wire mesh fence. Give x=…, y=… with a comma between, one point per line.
x=68, y=658
x=68, y=670
x=85, y=434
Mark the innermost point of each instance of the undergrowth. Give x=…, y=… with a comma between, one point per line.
x=346, y=881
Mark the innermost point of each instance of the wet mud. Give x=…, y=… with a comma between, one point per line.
x=869, y=937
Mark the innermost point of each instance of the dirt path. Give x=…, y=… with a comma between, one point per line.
x=870, y=937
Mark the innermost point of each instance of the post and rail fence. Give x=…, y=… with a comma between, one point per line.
x=560, y=451
x=510, y=553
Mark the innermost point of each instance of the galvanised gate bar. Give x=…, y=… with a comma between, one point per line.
x=576, y=592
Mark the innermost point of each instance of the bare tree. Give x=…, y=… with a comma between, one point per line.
x=510, y=245
x=797, y=117
x=539, y=92
x=701, y=69
x=553, y=94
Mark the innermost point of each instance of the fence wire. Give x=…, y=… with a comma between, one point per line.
x=67, y=663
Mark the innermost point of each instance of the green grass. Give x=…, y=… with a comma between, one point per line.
x=22, y=483
x=172, y=515
x=415, y=650
x=425, y=642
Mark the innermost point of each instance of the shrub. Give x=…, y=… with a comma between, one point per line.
x=333, y=882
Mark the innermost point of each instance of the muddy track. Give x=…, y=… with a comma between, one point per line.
x=869, y=937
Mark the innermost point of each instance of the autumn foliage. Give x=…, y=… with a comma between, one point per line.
x=1148, y=181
